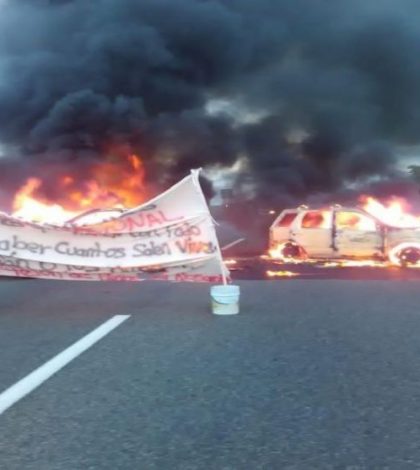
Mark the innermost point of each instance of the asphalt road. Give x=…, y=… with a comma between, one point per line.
x=310, y=375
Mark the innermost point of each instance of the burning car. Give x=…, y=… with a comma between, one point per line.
x=343, y=233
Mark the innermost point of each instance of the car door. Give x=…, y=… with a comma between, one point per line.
x=356, y=234
x=312, y=230
x=280, y=229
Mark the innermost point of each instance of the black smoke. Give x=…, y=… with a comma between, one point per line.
x=82, y=78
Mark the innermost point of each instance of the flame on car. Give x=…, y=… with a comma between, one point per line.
x=394, y=212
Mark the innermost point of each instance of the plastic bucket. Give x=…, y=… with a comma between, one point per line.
x=225, y=300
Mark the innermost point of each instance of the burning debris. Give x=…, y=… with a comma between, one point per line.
x=273, y=274
x=230, y=262
x=115, y=183
x=365, y=263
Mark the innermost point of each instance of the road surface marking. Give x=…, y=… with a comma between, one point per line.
x=29, y=383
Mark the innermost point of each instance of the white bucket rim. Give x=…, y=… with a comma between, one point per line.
x=226, y=288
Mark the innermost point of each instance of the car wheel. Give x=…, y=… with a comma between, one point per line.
x=291, y=251
x=409, y=256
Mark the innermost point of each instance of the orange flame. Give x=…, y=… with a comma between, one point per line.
x=230, y=262
x=362, y=263
x=116, y=183
x=281, y=274
x=394, y=213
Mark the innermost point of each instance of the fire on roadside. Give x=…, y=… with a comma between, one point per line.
x=351, y=263
x=274, y=274
x=231, y=262
x=113, y=183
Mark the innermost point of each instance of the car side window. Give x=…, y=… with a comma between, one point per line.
x=347, y=220
x=287, y=219
x=317, y=219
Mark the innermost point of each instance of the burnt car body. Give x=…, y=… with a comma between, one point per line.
x=341, y=233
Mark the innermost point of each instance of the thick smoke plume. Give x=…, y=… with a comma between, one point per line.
x=320, y=94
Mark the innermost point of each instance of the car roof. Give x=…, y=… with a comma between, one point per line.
x=336, y=207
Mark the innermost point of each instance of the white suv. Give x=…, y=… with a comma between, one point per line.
x=341, y=233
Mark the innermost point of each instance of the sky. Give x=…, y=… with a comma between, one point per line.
x=319, y=98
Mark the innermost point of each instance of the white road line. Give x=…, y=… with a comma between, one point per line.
x=29, y=383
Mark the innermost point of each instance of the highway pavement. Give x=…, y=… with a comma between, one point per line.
x=312, y=374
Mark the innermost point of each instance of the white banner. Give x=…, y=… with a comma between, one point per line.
x=172, y=237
